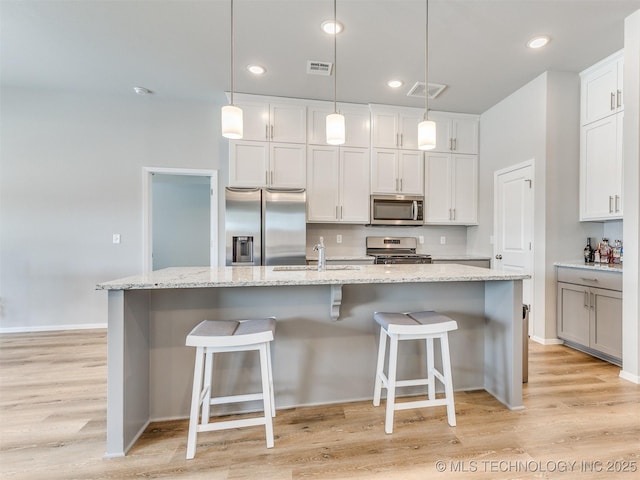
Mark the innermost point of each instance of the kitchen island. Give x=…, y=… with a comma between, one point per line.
x=326, y=340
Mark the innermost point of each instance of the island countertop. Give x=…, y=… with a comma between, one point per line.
x=206, y=277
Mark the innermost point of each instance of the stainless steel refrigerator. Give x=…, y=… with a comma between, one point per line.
x=265, y=226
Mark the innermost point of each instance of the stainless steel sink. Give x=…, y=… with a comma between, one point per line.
x=299, y=268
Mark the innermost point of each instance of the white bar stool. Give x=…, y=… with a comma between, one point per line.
x=229, y=336
x=410, y=326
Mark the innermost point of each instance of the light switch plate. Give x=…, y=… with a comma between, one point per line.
x=116, y=238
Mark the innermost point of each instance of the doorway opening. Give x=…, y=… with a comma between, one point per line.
x=180, y=218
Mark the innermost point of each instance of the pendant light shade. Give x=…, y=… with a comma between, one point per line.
x=335, y=121
x=335, y=129
x=427, y=135
x=231, y=117
x=231, y=122
x=426, y=128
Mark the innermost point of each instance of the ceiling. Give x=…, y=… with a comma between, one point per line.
x=180, y=49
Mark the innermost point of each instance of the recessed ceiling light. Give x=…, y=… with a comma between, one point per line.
x=142, y=91
x=538, y=42
x=331, y=28
x=256, y=69
x=395, y=83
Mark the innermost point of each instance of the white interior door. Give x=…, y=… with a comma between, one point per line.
x=513, y=227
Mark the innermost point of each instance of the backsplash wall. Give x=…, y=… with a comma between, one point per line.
x=354, y=238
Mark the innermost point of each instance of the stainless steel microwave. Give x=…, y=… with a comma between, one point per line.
x=397, y=209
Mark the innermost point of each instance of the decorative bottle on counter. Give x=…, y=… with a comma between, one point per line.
x=605, y=251
x=588, y=252
x=617, y=252
x=596, y=254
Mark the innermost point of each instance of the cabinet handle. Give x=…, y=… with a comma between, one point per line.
x=588, y=279
x=451, y=144
x=454, y=214
x=586, y=299
x=610, y=204
x=617, y=203
x=271, y=177
x=271, y=132
x=613, y=101
x=397, y=136
x=266, y=177
x=592, y=300
x=341, y=216
x=266, y=132
x=450, y=215
x=619, y=98
x=337, y=212
x=401, y=139
x=400, y=184
x=455, y=144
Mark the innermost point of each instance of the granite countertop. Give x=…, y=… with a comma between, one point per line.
x=463, y=256
x=602, y=267
x=201, y=277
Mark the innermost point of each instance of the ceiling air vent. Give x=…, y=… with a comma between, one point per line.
x=319, y=68
x=417, y=90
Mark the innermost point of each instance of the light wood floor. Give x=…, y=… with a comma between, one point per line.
x=53, y=406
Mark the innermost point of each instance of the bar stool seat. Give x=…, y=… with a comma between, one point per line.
x=210, y=337
x=424, y=325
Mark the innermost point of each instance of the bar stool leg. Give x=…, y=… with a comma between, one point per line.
x=271, y=389
x=448, y=383
x=206, y=387
x=266, y=395
x=391, y=383
x=431, y=378
x=382, y=348
x=195, y=403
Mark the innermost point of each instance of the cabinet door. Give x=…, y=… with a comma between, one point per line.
x=606, y=321
x=465, y=135
x=287, y=165
x=357, y=121
x=384, y=171
x=599, y=183
x=411, y=172
x=317, y=124
x=573, y=313
x=444, y=135
x=438, y=188
x=385, y=129
x=599, y=93
x=409, y=120
x=465, y=189
x=354, y=185
x=255, y=120
x=322, y=183
x=248, y=164
x=288, y=123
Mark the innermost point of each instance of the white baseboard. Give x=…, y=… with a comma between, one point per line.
x=546, y=341
x=630, y=377
x=52, y=328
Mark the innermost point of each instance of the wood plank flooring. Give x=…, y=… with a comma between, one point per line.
x=53, y=409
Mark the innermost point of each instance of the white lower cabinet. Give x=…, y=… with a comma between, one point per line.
x=451, y=189
x=590, y=317
x=337, y=184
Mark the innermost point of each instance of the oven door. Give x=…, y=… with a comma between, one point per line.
x=397, y=210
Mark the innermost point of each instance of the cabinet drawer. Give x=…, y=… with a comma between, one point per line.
x=592, y=278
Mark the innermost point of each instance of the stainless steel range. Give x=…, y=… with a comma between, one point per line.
x=395, y=250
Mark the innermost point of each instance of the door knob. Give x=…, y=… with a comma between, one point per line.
x=498, y=257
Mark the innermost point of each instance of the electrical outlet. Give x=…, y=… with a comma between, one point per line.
x=443, y=240
x=338, y=238
x=420, y=239
x=116, y=238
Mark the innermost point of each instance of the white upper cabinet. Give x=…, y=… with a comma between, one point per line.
x=357, y=121
x=397, y=171
x=266, y=119
x=601, y=154
x=456, y=132
x=601, y=91
x=451, y=185
x=272, y=152
x=395, y=127
x=337, y=184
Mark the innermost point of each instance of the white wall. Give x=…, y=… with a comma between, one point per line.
x=71, y=177
x=540, y=121
x=631, y=134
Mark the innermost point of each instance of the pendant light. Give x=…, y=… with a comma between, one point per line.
x=335, y=121
x=426, y=128
x=231, y=115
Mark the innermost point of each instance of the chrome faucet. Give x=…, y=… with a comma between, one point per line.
x=322, y=261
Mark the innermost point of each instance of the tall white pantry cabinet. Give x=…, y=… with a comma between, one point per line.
x=601, y=117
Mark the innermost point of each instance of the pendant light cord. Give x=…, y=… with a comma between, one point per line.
x=335, y=63
x=426, y=61
x=232, y=49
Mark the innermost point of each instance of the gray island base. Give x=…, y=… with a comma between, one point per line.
x=326, y=339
